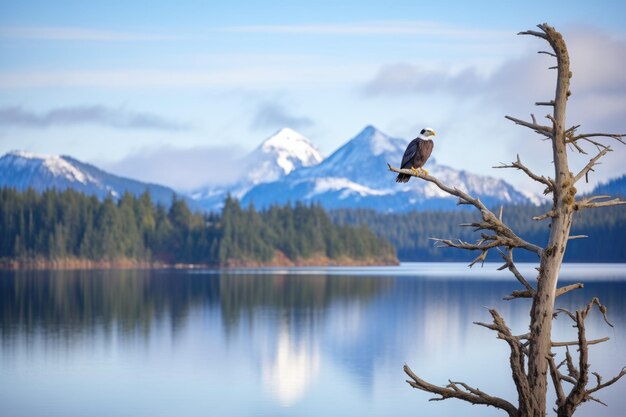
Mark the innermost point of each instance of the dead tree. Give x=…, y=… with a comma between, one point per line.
x=531, y=355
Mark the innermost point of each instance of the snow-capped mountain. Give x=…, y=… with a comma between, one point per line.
x=278, y=156
x=285, y=167
x=22, y=170
x=356, y=175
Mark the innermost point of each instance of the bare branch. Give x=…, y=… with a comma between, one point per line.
x=539, y=178
x=459, y=244
x=547, y=53
x=577, y=237
x=587, y=137
x=568, y=288
x=510, y=265
x=593, y=162
x=486, y=325
x=596, y=197
x=504, y=235
x=516, y=359
x=598, y=145
x=575, y=342
x=617, y=136
x=601, y=307
x=571, y=369
x=541, y=129
x=611, y=381
x=577, y=394
x=579, y=376
x=571, y=129
x=544, y=103
x=480, y=258
x=452, y=390
x=519, y=294
x=530, y=294
x=564, y=311
x=590, y=202
x=598, y=377
x=556, y=380
x=590, y=398
x=585, y=311
x=534, y=33
x=578, y=148
x=547, y=215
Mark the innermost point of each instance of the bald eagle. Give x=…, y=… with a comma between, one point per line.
x=416, y=154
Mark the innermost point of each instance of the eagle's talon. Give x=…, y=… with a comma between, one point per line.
x=415, y=170
x=424, y=171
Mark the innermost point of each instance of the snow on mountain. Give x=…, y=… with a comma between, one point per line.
x=285, y=167
x=356, y=175
x=23, y=170
x=278, y=156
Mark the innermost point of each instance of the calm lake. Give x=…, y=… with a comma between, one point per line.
x=277, y=342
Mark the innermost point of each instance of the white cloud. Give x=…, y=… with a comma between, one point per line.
x=263, y=76
x=118, y=118
x=181, y=169
x=374, y=28
x=406, y=79
x=598, y=102
x=275, y=115
x=59, y=33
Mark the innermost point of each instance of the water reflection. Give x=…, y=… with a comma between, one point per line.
x=267, y=342
x=71, y=304
x=291, y=370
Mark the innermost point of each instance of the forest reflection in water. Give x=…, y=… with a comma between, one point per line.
x=268, y=342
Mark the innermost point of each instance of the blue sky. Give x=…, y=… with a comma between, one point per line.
x=172, y=92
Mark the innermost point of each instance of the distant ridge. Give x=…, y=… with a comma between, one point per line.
x=356, y=176
x=277, y=156
x=286, y=167
x=615, y=187
x=22, y=170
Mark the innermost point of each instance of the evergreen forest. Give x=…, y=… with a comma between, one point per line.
x=61, y=225
x=66, y=225
x=410, y=232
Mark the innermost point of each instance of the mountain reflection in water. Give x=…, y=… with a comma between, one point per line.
x=271, y=342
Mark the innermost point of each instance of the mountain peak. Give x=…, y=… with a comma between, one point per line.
x=286, y=133
x=55, y=165
x=289, y=149
x=375, y=141
x=368, y=131
x=286, y=138
x=23, y=170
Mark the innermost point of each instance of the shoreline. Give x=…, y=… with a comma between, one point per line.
x=84, y=264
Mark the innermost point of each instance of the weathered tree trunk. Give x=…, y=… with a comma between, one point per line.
x=552, y=257
x=531, y=357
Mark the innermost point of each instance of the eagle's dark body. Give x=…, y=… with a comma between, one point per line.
x=415, y=156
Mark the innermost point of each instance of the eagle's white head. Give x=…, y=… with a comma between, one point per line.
x=426, y=133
